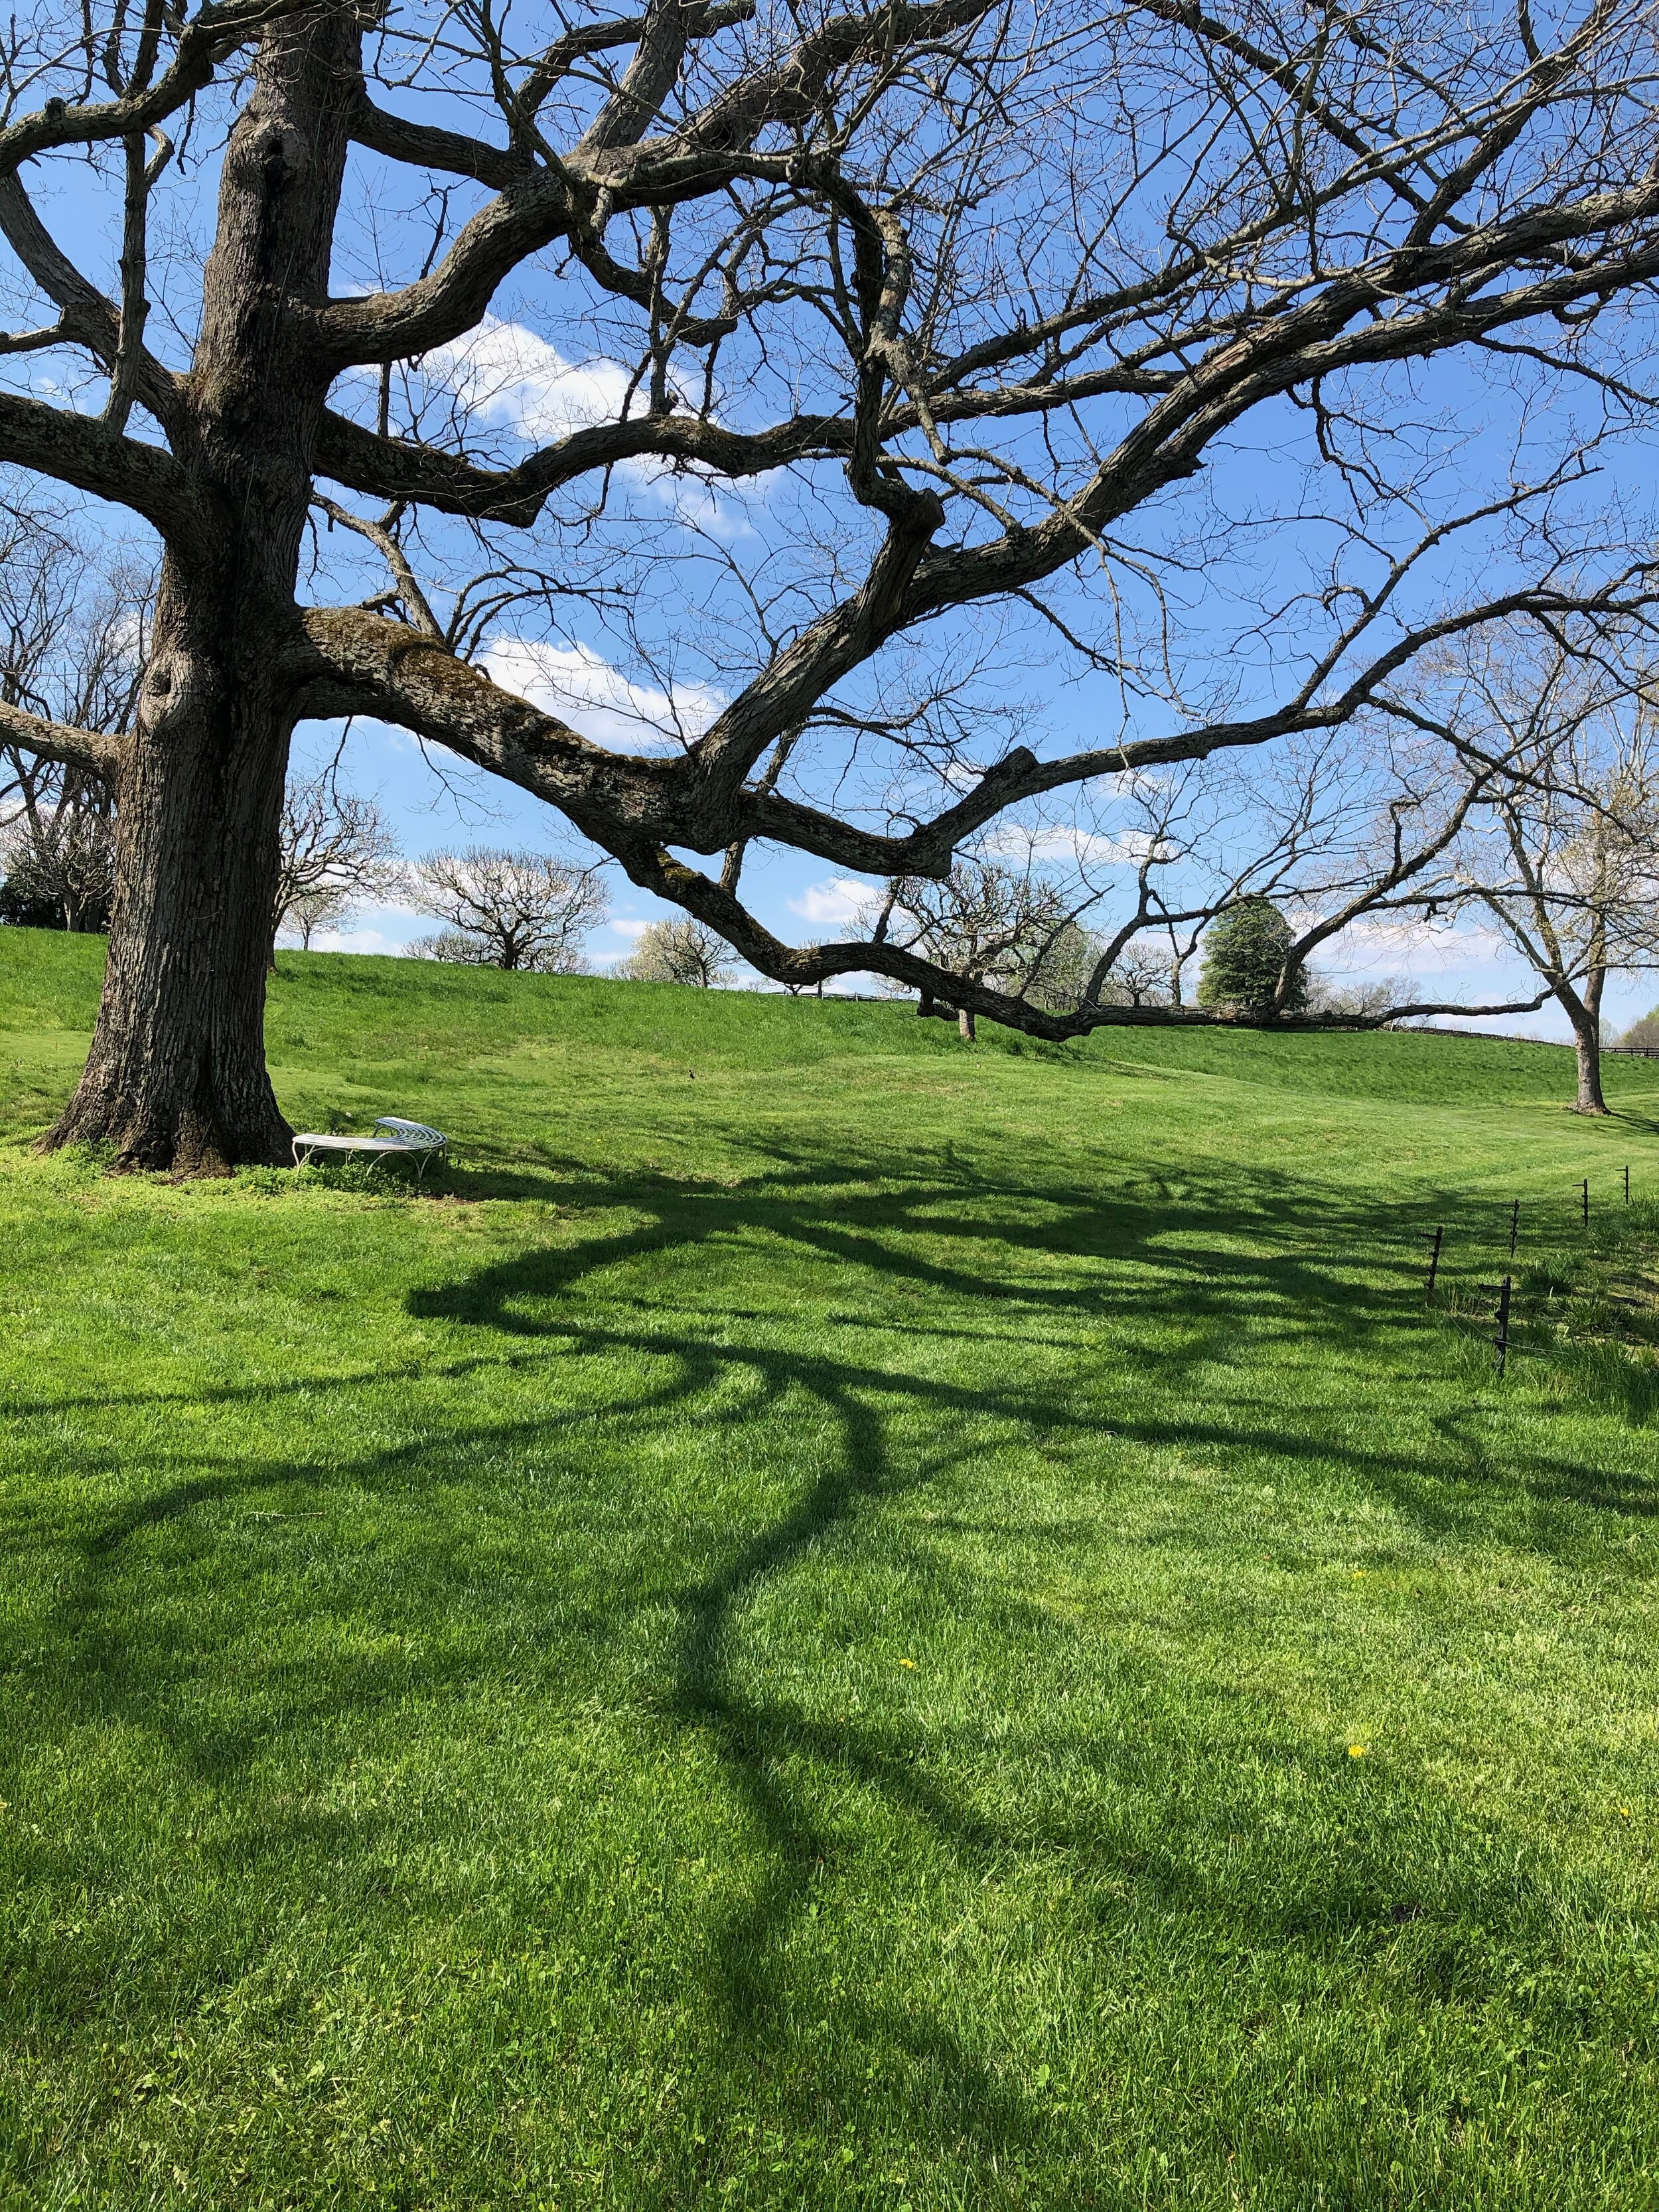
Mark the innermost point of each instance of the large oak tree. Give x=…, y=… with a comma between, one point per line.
x=1001, y=279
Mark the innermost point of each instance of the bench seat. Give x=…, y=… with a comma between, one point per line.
x=414, y=1139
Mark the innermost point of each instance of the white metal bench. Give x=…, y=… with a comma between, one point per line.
x=413, y=1139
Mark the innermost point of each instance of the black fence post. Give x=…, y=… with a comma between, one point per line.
x=1515, y=1225
x=1501, y=1341
x=1587, y=1201
x=1627, y=1186
x=1434, y=1265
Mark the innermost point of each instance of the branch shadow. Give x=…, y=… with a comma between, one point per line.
x=1173, y=1251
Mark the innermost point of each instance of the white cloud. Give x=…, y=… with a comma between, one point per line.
x=629, y=926
x=1072, y=846
x=1086, y=849
x=698, y=506
x=505, y=375
x=580, y=686
x=831, y=902
x=1426, y=949
x=962, y=775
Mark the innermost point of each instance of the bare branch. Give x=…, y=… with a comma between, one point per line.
x=212, y=33
x=76, y=451
x=381, y=537
x=101, y=753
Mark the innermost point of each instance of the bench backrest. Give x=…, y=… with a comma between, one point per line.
x=418, y=1133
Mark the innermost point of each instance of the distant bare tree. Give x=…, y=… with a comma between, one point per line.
x=1061, y=972
x=989, y=921
x=506, y=909
x=1362, y=1002
x=682, y=952
x=337, y=849
x=59, y=869
x=1143, y=975
x=1562, y=853
x=72, y=633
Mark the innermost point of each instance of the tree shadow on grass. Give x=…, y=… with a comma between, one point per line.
x=1204, y=1280
x=1132, y=1814
x=1271, y=1240
x=1270, y=1248
x=1135, y=1815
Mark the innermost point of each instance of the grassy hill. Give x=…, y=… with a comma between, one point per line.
x=829, y=1619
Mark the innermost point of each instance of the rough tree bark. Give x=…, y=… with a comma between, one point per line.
x=176, y=1075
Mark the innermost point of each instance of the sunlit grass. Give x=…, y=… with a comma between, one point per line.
x=830, y=1619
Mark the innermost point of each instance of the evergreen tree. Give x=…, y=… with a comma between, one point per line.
x=1244, y=951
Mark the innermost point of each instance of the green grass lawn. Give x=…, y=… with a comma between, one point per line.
x=827, y=1619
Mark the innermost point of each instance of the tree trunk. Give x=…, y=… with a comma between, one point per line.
x=176, y=1076
x=1586, y=1035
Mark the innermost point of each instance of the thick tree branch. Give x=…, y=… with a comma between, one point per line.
x=101, y=753
x=663, y=34
x=657, y=871
x=86, y=317
x=212, y=33
x=134, y=371
x=573, y=45
x=89, y=317
x=392, y=468
x=805, y=669
x=526, y=216
x=533, y=211
x=790, y=91
x=1302, y=346
x=428, y=146
x=348, y=661
x=77, y=450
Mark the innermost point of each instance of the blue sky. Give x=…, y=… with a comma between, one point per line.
x=643, y=625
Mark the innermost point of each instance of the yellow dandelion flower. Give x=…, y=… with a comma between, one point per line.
x=1358, y=1750
x=907, y=1662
